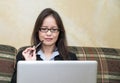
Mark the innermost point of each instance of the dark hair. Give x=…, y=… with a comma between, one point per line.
x=61, y=42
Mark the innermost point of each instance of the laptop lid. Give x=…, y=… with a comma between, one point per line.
x=56, y=72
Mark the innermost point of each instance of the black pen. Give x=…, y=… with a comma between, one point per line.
x=38, y=44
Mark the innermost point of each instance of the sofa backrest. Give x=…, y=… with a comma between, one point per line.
x=108, y=61
x=7, y=58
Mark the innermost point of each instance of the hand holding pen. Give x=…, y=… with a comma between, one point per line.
x=30, y=52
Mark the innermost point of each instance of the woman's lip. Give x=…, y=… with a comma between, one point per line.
x=48, y=39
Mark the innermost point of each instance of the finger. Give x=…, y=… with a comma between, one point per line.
x=34, y=53
x=31, y=48
x=27, y=49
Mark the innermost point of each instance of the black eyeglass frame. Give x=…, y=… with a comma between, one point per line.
x=52, y=30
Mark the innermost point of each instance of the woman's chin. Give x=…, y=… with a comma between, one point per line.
x=48, y=44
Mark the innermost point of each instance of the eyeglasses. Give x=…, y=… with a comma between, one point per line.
x=52, y=30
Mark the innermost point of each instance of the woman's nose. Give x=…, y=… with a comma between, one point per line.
x=49, y=32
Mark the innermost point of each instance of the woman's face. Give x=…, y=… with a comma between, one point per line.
x=49, y=31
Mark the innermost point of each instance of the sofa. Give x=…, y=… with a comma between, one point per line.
x=108, y=59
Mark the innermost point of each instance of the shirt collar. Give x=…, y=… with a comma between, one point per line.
x=42, y=55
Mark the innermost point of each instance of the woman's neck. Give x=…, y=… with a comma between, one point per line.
x=48, y=50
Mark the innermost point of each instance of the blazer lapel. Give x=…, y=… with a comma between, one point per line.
x=38, y=57
x=58, y=58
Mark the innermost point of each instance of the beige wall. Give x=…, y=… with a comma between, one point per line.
x=87, y=22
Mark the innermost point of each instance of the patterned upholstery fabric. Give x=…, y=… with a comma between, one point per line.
x=7, y=58
x=108, y=62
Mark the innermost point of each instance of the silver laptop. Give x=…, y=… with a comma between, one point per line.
x=56, y=72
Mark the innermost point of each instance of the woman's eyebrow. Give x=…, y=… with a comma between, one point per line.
x=50, y=27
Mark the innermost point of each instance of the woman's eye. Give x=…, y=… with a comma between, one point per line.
x=44, y=28
x=54, y=29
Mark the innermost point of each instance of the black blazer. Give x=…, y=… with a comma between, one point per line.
x=19, y=57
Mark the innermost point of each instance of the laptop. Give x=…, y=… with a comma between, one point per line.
x=56, y=72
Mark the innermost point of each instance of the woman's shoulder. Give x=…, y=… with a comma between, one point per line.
x=19, y=55
x=72, y=56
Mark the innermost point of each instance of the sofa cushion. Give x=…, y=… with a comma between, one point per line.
x=7, y=58
x=108, y=62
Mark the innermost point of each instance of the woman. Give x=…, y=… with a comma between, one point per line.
x=49, y=34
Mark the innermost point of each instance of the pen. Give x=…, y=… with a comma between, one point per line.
x=38, y=44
